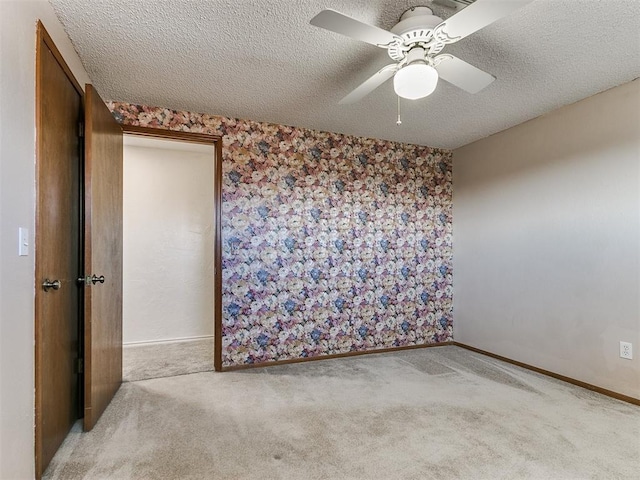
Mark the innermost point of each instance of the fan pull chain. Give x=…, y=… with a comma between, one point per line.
x=399, y=121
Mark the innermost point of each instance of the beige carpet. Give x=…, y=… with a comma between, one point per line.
x=438, y=413
x=166, y=359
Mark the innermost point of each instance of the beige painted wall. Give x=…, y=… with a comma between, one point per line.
x=17, y=209
x=546, y=230
x=168, y=240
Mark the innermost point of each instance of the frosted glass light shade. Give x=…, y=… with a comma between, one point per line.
x=415, y=81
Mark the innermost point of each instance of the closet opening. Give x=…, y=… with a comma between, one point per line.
x=171, y=253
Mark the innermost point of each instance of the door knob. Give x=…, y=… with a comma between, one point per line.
x=91, y=280
x=48, y=284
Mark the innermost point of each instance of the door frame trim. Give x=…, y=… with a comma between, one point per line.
x=216, y=142
x=42, y=39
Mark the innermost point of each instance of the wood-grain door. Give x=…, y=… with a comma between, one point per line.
x=102, y=257
x=57, y=250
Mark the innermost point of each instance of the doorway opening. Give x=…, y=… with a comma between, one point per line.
x=171, y=284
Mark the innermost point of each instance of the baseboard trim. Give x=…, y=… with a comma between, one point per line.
x=557, y=376
x=246, y=366
x=167, y=340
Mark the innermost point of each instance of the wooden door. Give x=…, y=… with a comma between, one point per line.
x=57, y=252
x=102, y=257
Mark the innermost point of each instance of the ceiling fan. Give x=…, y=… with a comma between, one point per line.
x=415, y=43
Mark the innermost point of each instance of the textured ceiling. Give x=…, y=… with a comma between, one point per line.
x=263, y=61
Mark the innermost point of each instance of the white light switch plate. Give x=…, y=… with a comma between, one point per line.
x=23, y=241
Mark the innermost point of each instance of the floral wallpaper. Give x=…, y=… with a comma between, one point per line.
x=331, y=243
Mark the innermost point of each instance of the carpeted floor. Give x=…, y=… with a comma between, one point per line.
x=166, y=359
x=437, y=413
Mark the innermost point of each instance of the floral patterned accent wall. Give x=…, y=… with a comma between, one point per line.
x=331, y=243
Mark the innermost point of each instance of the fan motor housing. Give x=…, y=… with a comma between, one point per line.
x=414, y=19
x=415, y=27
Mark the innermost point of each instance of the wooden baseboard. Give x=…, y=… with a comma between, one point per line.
x=245, y=366
x=557, y=376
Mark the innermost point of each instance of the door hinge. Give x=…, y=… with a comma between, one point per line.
x=81, y=129
x=79, y=365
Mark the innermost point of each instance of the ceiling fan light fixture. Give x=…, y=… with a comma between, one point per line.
x=416, y=80
x=415, y=42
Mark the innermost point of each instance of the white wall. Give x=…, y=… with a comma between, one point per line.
x=168, y=240
x=17, y=208
x=546, y=230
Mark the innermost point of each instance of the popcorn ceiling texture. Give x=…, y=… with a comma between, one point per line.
x=263, y=60
x=331, y=243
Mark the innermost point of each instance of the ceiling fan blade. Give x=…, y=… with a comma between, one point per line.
x=350, y=27
x=462, y=74
x=476, y=16
x=369, y=85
